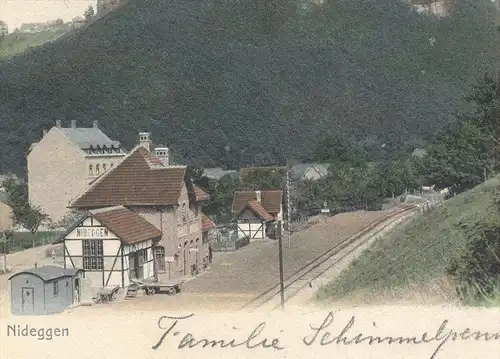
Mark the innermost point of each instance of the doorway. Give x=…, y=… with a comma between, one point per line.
x=28, y=300
x=136, y=264
x=77, y=290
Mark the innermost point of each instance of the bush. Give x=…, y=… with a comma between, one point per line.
x=59, y=249
x=477, y=270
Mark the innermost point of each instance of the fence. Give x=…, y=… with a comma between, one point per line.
x=302, y=223
x=226, y=239
x=25, y=240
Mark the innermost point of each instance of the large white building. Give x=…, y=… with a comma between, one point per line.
x=65, y=161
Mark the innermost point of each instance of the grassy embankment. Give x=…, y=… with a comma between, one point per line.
x=13, y=44
x=409, y=264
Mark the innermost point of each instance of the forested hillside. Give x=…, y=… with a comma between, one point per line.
x=251, y=82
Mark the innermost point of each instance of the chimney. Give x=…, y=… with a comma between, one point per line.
x=58, y=123
x=144, y=140
x=163, y=153
x=73, y=123
x=257, y=194
x=95, y=124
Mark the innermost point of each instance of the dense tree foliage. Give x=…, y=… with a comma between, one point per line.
x=23, y=213
x=460, y=156
x=234, y=83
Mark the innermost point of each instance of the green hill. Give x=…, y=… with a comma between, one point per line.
x=16, y=43
x=250, y=82
x=411, y=262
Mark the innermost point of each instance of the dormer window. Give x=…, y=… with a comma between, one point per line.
x=91, y=172
x=96, y=169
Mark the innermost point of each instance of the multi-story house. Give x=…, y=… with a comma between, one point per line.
x=63, y=164
x=146, y=184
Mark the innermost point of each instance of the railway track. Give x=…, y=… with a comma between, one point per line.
x=315, y=268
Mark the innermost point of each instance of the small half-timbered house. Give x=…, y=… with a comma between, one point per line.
x=257, y=212
x=113, y=245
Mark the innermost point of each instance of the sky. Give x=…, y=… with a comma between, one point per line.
x=16, y=12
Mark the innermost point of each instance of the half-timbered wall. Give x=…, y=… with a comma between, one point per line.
x=102, y=254
x=249, y=225
x=146, y=263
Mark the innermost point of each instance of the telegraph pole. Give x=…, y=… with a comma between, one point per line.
x=4, y=250
x=280, y=250
x=496, y=114
x=289, y=206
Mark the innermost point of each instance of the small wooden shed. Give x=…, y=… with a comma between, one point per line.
x=45, y=290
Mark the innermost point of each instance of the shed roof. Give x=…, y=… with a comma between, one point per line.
x=47, y=273
x=259, y=210
x=207, y=223
x=86, y=138
x=200, y=194
x=130, y=227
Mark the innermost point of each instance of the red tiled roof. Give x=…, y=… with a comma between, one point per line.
x=140, y=179
x=127, y=225
x=200, y=194
x=270, y=199
x=241, y=198
x=207, y=223
x=259, y=210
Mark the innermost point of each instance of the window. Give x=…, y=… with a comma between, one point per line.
x=160, y=259
x=104, y=167
x=90, y=170
x=184, y=210
x=92, y=255
x=55, y=288
x=111, y=165
x=96, y=169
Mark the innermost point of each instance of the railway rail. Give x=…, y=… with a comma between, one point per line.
x=315, y=268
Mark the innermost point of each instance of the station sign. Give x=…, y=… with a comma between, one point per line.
x=91, y=232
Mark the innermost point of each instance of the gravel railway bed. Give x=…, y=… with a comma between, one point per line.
x=254, y=268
